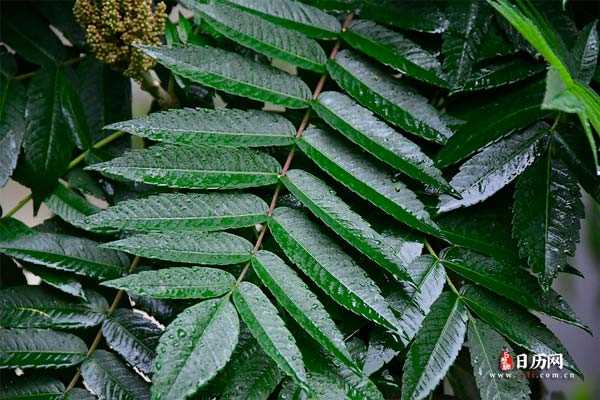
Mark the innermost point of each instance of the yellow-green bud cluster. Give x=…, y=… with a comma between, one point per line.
x=112, y=27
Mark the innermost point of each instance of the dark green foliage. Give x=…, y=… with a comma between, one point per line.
x=328, y=199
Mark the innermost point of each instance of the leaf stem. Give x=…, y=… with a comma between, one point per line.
x=98, y=338
x=434, y=255
x=75, y=162
x=290, y=157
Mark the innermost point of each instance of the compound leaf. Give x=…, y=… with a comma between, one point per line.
x=393, y=100
x=37, y=307
x=303, y=305
x=194, y=347
x=39, y=348
x=269, y=330
x=108, y=378
x=133, y=336
x=264, y=37
x=176, y=283
x=182, y=212
x=435, y=347
x=321, y=259
x=199, y=167
x=219, y=127
x=365, y=178
x=233, y=73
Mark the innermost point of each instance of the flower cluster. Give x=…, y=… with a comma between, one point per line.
x=113, y=26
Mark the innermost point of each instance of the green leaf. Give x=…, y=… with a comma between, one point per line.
x=39, y=348
x=413, y=15
x=176, y=283
x=483, y=228
x=322, y=201
x=389, y=98
x=250, y=374
x=515, y=323
x=218, y=248
x=292, y=15
x=360, y=126
x=28, y=387
x=233, y=73
x=546, y=216
x=105, y=94
x=509, y=280
x=219, y=127
x=574, y=150
x=435, y=347
x=365, y=178
x=70, y=206
x=330, y=379
x=12, y=125
x=68, y=253
x=493, y=168
x=411, y=304
x=133, y=336
x=194, y=347
x=323, y=261
x=28, y=34
x=108, y=378
x=394, y=49
x=72, y=110
x=264, y=37
x=404, y=244
x=37, y=307
x=269, y=330
x=303, y=305
x=200, y=167
x=585, y=52
x=382, y=349
x=499, y=74
x=183, y=212
x=48, y=143
x=469, y=22
x=485, y=346
x=492, y=120
x=63, y=281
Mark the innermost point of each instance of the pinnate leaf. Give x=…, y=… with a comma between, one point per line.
x=323, y=261
x=493, y=168
x=264, y=37
x=515, y=323
x=293, y=15
x=182, y=212
x=360, y=126
x=69, y=253
x=436, y=346
x=219, y=127
x=38, y=307
x=233, y=73
x=133, y=336
x=546, y=216
x=219, y=248
x=269, y=330
x=177, y=283
x=393, y=100
x=200, y=167
x=108, y=378
x=366, y=178
x=322, y=201
x=194, y=347
x=39, y=348
x=303, y=305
